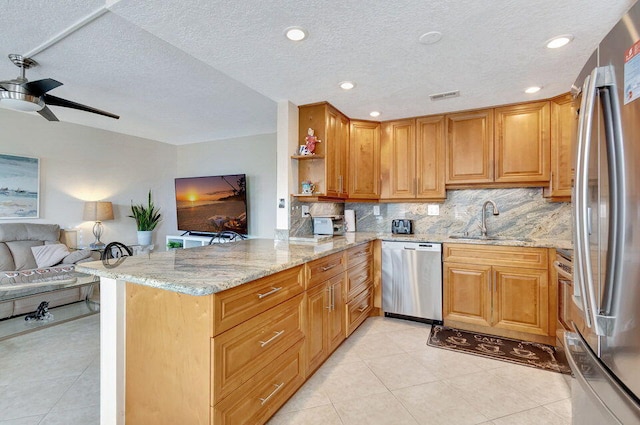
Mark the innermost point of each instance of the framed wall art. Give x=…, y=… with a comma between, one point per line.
x=19, y=187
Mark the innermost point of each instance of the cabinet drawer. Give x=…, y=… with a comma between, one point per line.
x=358, y=278
x=258, y=399
x=535, y=258
x=325, y=268
x=240, y=352
x=236, y=305
x=358, y=309
x=359, y=254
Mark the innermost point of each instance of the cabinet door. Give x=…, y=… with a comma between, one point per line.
x=336, y=314
x=522, y=143
x=364, y=160
x=398, y=159
x=564, y=125
x=521, y=300
x=316, y=345
x=469, y=148
x=430, y=158
x=466, y=294
x=343, y=153
x=332, y=152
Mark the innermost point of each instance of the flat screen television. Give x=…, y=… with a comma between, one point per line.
x=212, y=204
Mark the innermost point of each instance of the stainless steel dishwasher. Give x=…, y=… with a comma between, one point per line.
x=412, y=280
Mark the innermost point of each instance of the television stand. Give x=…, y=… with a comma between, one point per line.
x=187, y=241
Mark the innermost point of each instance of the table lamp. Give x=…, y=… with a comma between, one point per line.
x=97, y=211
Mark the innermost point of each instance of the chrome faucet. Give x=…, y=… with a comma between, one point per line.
x=483, y=226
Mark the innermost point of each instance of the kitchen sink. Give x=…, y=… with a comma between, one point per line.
x=489, y=238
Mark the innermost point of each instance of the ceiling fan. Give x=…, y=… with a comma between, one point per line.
x=31, y=96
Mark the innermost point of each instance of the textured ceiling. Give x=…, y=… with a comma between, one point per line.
x=185, y=71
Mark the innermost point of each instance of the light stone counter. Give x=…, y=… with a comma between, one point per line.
x=214, y=268
x=210, y=269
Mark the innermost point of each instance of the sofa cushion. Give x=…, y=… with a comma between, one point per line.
x=48, y=255
x=6, y=259
x=76, y=256
x=29, y=232
x=22, y=255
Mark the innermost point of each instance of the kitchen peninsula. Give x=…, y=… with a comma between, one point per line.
x=226, y=333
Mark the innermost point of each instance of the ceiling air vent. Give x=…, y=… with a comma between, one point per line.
x=445, y=95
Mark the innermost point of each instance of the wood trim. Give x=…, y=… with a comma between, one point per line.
x=516, y=256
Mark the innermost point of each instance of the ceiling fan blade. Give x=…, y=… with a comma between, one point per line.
x=40, y=87
x=56, y=101
x=46, y=112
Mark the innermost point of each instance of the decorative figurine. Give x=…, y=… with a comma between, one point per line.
x=41, y=314
x=311, y=140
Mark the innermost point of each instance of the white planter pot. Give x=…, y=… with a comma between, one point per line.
x=144, y=237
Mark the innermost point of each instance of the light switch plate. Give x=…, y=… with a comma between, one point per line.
x=433, y=210
x=376, y=210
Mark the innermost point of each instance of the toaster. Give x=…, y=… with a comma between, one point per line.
x=402, y=226
x=328, y=225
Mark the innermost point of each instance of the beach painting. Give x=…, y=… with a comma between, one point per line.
x=19, y=187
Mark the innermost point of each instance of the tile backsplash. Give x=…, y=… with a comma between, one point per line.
x=524, y=213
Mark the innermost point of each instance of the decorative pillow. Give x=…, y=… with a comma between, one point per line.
x=49, y=255
x=76, y=256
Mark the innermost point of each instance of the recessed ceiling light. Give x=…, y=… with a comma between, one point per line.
x=347, y=85
x=533, y=89
x=559, y=41
x=430, y=37
x=295, y=33
x=374, y=114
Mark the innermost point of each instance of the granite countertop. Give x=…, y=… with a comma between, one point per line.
x=214, y=268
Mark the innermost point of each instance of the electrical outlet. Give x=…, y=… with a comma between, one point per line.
x=376, y=210
x=305, y=211
x=433, y=210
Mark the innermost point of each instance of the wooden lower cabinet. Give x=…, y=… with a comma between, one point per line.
x=236, y=356
x=467, y=297
x=261, y=396
x=498, y=290
x=325, y=320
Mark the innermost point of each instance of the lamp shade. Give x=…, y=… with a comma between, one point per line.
x=97, y=211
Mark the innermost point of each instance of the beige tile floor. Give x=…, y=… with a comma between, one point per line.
x=386, y=374
x=383, y=374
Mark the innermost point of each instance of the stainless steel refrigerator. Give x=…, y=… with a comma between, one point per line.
x=604, y=352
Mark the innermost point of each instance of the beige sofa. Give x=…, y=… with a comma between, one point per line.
x=36, y=266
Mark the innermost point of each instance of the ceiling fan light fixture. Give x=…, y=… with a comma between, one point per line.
x=559, y=41
x=295, y=33
x=20, y=101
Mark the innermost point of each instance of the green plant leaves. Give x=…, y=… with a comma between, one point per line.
x=146, y=217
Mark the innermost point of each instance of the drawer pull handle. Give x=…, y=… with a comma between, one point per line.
x=278, y=386
x=272, y=291
x=277, y=334
x=361, y=253
x=329, y=267
x=361, y=309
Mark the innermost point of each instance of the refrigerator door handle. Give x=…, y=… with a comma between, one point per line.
x=581, y=216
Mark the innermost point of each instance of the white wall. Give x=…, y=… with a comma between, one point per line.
x=80, y=164
x=254, y=156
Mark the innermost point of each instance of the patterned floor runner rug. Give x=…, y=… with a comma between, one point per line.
x=526, y=353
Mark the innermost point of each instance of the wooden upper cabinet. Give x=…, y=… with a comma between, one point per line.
x=522, y=143
x=430, y=157
x=364, y=160
x=469, y=147
x=328, y=168
x=564, y=127
x=398, y=159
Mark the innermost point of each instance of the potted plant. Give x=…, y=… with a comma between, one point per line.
x=147, y=218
